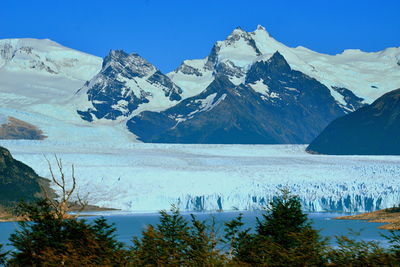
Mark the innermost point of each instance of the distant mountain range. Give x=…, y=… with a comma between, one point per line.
x=250, y=89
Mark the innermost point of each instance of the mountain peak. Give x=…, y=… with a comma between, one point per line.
x=114, y=55
x=118, y=52
x=239, y=29
x=130, y=65
x=260, y=28
x=279, y=62
x=237, y=33
x=46, y=57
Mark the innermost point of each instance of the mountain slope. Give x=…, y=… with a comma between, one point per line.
x=124, y=83
x=371, y=130
x=36, y=71
x=18, y=181
x=38, y=82
x=275, y=105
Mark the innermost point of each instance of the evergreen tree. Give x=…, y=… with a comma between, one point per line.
x=165, y=244
x=174, y=242
x=203, y=244
x=282, y=218
x=46, y=239
x=284, y=237
x=234, y=235
x=352, y=253
x=394, y=241
x=3, y=255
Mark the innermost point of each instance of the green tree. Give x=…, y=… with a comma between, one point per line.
x=3, y=255
x=284, y=237
x=176, y=242
x=352, y=253
x=234, y=236
x=165, y=244
x=204, y=243
x=282, y=218
x=46, y=239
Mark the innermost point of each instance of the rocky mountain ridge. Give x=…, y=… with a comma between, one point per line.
x=275, y=105
x=18, y=181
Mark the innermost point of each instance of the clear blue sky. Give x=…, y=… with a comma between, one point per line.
x=167, y=32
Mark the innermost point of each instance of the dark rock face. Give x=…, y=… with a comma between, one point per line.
x=293, y=109
x=371, y=130
x=192, y=121
x=125, y=82
x=189, y=70
x=17, y=180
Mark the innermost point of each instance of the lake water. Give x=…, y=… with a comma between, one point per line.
x=130, y=225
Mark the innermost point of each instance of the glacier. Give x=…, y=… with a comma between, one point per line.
x=38, y=82
x=138, y=177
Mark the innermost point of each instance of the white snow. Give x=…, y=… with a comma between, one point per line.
x=47, y=57
x=238, y=52
x=191, y=84
x=260, y=87
x=368, y=75
x=47, y=99
x=149, y=177
x=206, y=104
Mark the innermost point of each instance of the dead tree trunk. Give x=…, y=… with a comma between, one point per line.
x=63, y=204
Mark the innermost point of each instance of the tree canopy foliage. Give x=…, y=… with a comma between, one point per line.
x=283, y=237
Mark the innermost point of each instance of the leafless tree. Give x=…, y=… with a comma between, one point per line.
x=63, y=204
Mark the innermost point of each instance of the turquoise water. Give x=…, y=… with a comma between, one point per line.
x=129, y=225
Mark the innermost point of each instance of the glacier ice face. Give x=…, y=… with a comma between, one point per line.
x=150, y=177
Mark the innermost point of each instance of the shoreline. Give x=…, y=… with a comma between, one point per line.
x=390, y=218
x=7, y=217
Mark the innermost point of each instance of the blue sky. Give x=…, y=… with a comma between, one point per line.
x=167, y=32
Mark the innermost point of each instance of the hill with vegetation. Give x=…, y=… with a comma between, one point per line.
x=18, y=181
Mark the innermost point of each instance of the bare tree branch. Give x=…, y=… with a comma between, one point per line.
x=64, y=205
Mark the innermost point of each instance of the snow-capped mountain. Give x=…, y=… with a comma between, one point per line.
x=34, y=71
x=274, y=104
x=366, y=75
x=124, y=83
x=273, y=94
x=38, y=82
x=46, y=56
